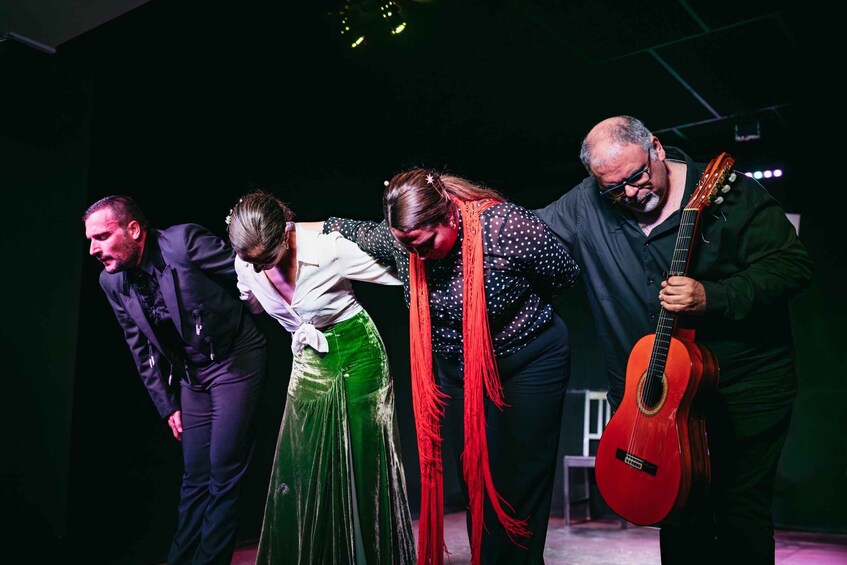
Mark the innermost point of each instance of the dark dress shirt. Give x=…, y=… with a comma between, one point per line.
x=748, y=258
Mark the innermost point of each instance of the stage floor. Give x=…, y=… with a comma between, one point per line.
x=604, y=542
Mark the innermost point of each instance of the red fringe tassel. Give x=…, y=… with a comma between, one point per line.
x=481, y=379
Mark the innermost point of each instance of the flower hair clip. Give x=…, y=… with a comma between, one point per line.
x=430, y=179
x=228, y=218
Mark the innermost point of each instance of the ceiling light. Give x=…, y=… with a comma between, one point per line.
x=369, y=19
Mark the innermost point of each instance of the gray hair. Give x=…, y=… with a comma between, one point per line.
x=618, y=132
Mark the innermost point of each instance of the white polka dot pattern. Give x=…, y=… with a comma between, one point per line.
x=525, y=264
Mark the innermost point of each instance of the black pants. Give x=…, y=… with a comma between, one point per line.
x=523, y=439
x=734, y=525
x=217, y=443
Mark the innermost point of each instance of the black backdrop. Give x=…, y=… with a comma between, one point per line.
x=185, y=109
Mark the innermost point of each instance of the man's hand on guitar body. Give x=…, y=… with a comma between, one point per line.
x=682, y=294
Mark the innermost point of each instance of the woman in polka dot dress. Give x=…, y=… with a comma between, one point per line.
x=490, y=356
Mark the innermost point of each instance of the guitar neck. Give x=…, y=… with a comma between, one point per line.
x=684, y=241
x=679, y=267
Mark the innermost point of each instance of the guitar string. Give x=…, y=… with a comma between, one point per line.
x=664, y=333
x=678, y=266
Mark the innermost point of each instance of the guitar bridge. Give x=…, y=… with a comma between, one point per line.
x=636, y=462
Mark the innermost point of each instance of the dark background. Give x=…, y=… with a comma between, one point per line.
x=184, y=105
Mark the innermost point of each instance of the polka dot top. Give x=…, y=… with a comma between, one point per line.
x=525, y=264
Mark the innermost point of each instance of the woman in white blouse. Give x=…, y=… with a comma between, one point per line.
x=337, y=492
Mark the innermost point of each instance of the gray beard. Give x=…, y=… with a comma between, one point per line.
x=650, y=203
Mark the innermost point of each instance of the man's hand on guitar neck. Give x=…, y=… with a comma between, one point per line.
x=682, y=294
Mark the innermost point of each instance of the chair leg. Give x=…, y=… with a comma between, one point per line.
x=567, y=490
x=586, y=493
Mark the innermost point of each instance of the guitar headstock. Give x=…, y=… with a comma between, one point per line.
x=716, y=178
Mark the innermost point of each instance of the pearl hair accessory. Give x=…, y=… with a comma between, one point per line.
x=228, y=218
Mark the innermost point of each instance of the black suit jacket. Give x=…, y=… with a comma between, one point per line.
x=196, y=275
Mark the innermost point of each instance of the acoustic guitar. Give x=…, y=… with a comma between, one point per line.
x=653, y=456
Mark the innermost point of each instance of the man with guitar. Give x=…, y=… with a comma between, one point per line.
x=623, y=224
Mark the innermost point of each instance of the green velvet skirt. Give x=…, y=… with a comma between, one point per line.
x=337, y=492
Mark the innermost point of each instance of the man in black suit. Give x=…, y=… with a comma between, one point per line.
x=198, y=352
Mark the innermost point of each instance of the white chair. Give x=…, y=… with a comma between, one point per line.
x=596, y=415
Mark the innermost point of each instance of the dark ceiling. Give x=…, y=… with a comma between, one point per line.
x=471, y=84
x=692, y=70
x=48, y=24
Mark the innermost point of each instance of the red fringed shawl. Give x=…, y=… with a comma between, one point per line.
x=481, y=379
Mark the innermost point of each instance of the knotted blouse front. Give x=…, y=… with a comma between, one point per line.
x=323, y=293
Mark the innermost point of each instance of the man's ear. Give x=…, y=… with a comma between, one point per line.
x=133, y=228
x=660, y=150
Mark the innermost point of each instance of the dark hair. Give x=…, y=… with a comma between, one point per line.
x=258, y=222
x=420, y=198
x=620, y=132
x=123, y=208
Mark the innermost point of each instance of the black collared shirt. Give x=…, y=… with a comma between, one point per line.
x=747, y=256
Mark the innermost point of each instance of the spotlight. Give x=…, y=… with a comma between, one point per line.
x=362, y=19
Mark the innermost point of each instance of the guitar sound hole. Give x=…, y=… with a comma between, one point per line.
x=652, y=392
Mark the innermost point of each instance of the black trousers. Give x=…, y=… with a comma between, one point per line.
x=734, y=523
x=523, y=439
x=218, y=409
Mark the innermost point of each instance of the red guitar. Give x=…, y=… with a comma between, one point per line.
x=653, y=454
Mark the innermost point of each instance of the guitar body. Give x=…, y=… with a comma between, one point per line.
x=653, y=455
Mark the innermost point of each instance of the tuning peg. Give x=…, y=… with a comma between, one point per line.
x=719, y=199
x=732, y=177
x=726, y=188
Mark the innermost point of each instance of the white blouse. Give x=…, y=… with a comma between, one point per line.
x=323, y=294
